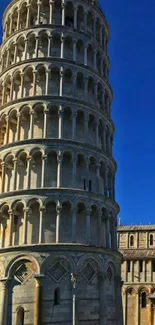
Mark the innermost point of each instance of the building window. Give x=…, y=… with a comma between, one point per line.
x=153, y=265
x=151, y=240
x=84, y=184
x=143, y=304
x=90, y=187
x=20, y=316
x=128, y=266
x=140, y=266
x=131, y=240
x=57, y=297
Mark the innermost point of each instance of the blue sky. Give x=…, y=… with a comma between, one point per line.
x=132, y=55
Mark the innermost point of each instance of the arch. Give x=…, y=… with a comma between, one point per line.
x=80, y=18
x=56, y=45
x=52, y=121
x=19, y=258
x=67, y=166
x=80, y=51
x=131, y=240
x=69, y=14
x=20, y=316
x=68, y=48
x=143, y=299
x=68, y=83
x=151, y=239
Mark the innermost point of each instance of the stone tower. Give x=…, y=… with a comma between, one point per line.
x=58, y=253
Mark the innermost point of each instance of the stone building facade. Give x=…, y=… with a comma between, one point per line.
x=137, y=244
x=58, y=245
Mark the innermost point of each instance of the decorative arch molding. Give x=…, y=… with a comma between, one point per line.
x=20, y=259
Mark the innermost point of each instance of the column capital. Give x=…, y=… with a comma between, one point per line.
x=38, y=278
x=59, y=156
x=4, y=282
x=102, y=276
x=44, y=157
x=59, y=209
x=42, y=209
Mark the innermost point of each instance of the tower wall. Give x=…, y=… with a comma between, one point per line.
x=58, y=258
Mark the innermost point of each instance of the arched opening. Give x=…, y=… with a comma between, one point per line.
x=81, y=223
x=52, y=122
x=80, y=18
x=44, y=12
x=51, y=170
x=54, y=82
x=56, y=46
x=16, y=86
x=43, y=45
x=49, y=223
x=66, y=223
x=9, y=169
x=20, y=49
x=28, y=83
x=68, y=48
x=67, y=170
x=151, y=239
x=41, y=81
x=80, y=85
x=94, y=226
x=68, y=83
x=80, y=51
x=31, y=45
x=92, y=174
x=17, y=229
x=36, y=170
x=20, y=316
x=13, y=127
x=67, y=123
x=131, y=240
x=91, y=130
x=90, y=22
x=22, y=171
x=33, y=223
x=23, y=16
x=143, y=300
x=81, y=172
x=11, y=54
x=25, y=123
x=38, y=121
x=80, y=126
x=69, y=15
x=57, y=13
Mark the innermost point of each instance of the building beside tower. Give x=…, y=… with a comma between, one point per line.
x=58, y=244
x=137, y=245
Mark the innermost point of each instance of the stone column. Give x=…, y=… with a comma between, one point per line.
x=86, y=120
x=38, y=300
x=51, y=3
x=58, y=221
x=15, y=174
x=103, y=302
x=98, y=178
x=42, y=210
x=4, y=294
x=74, y=49
x=94, y=63
x=75, y=17
x=25, y=51
x=85, y=55
x=61, y=81
x=18, y=125
x=62, y=47
x=144, y=270
x=28, y=172
x=137, y=307
x=38, y=14
x=28, y=16
x=74, y=225
x=107, y=231
x=15, y=53
x=47, y=82
x=3, y=177
x=43, y=171
x=34, y=82
x=59, y=169
x=96, y=133
x=26, y=211
x=10, y=226
x=101, y=38
x=118, y=299
x=74, y=298
x=63, y=14
x=31, y=124
x=74, y=161
x=105, y=181
x=74, y=116
x=46, y=113
x=49, y=45
x=60, y=113
x=10, y=32
x=88, y=213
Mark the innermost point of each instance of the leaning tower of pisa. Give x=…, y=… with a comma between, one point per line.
x=58, y=254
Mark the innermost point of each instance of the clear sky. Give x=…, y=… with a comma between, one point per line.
x=132, y=55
